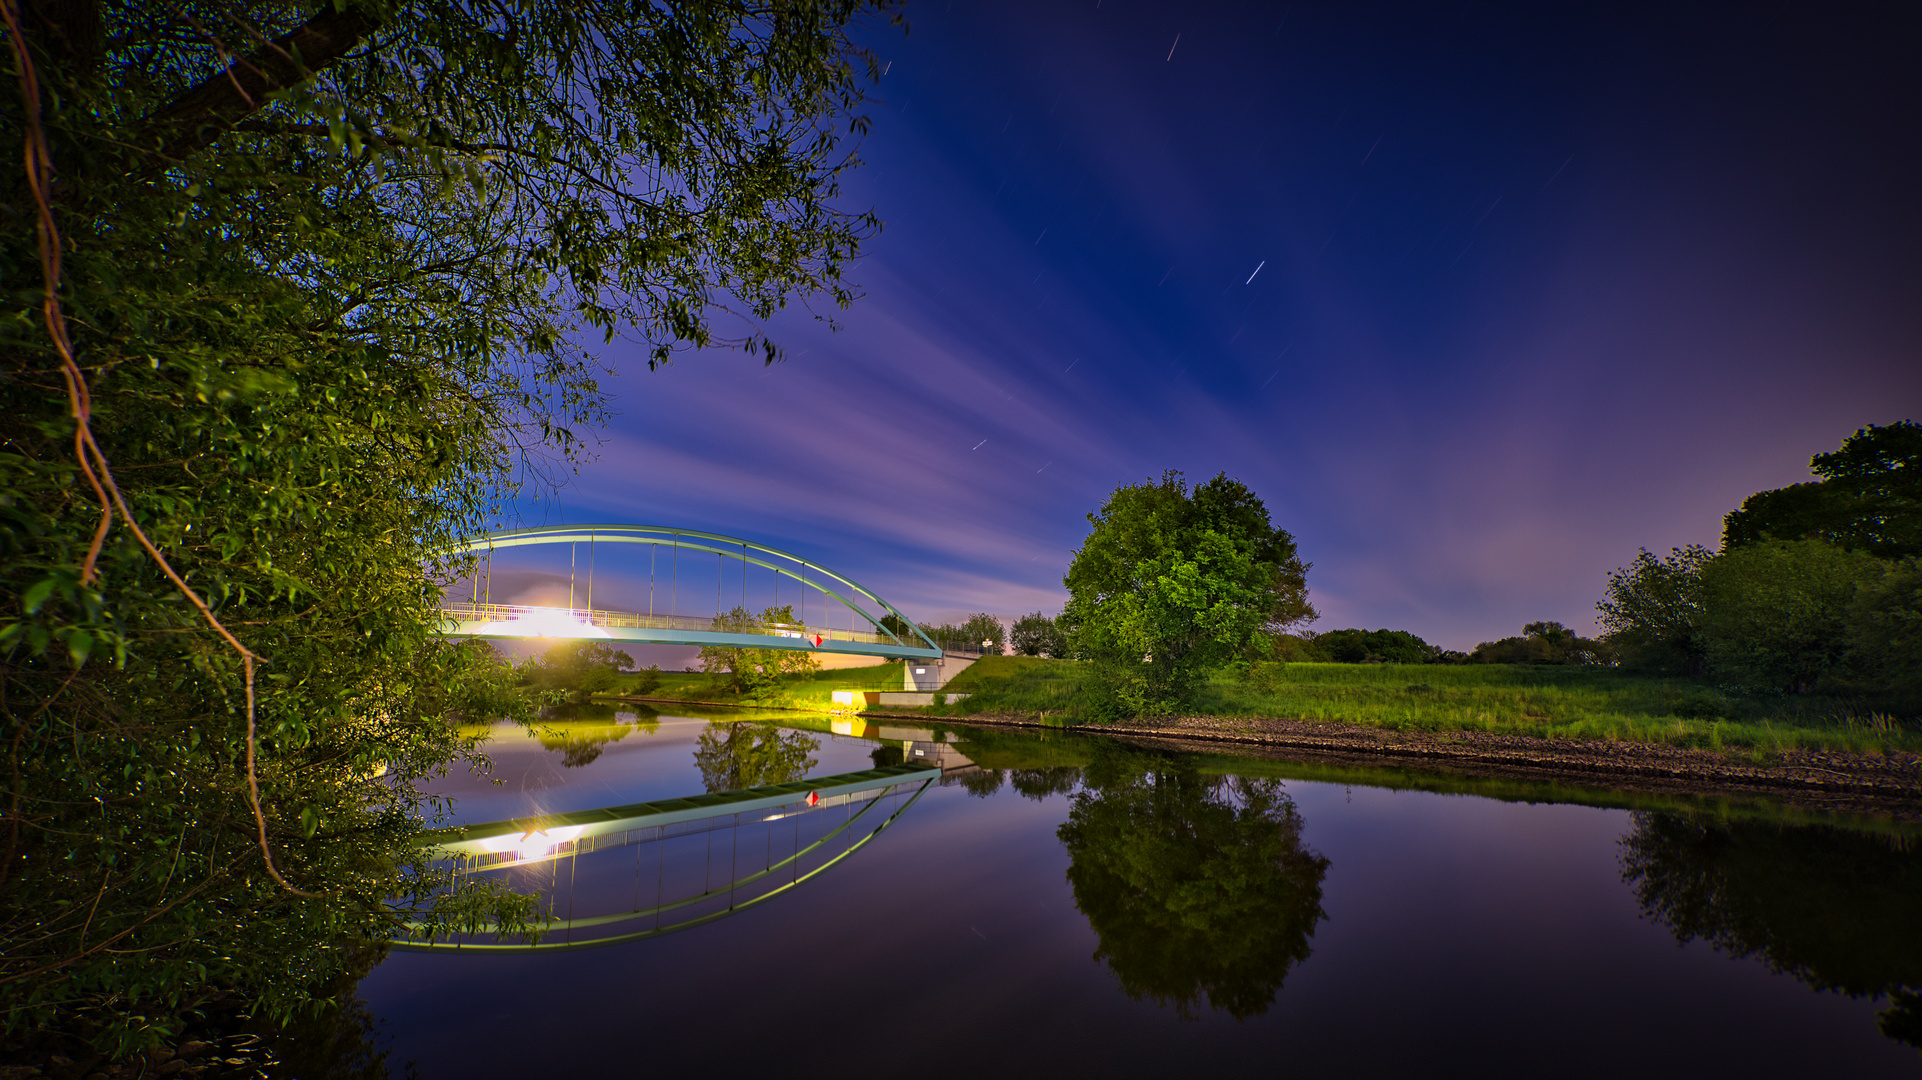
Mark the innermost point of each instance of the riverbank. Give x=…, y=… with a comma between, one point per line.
x=1579, y=725
x=1545, y=702
x=1825, y=781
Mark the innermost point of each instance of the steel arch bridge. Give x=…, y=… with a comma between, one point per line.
x=481, y=618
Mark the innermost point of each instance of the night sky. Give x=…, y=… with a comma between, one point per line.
x=1479, y=298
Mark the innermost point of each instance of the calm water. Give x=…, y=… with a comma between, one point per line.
x=1081, y=906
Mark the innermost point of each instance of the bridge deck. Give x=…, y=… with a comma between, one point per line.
x=529, y=621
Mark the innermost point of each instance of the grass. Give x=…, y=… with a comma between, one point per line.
x=815, y=691
x=1543, y=701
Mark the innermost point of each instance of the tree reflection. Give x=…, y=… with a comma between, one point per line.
x=980, y=783
x=582, y=731
x=1198, y=886
x=737, y=755
x=1038, y=784
x=1836, y=909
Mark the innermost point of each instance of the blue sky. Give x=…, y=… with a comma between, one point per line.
x=1479, y=298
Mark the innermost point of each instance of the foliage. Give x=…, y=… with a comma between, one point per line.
x=968, y=636
x=1833, y=908
x=576, y=670
x=328, y=310
x=1040, y=783
x=644, y=682
x=1170, y=584
x=1776, y=613
x=1815, y=586
x=1294, y=648
x=1544, y=643
x=1870, y=498
x=1371, y=647
x=1653, y=610
x=737, y=755
x=1037, y=635
x=1198, y=887
x=899, y=627
x=755, y=673
x=980, y=627
x=1885, y=633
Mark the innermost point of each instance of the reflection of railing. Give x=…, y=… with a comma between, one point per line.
x=791, y=825
x=548, y=616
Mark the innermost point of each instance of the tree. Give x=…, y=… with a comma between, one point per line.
x=981, y=627
x=1653, y=611
x=577, y=670
x=1037, y=635
x=1169, y=585
x=1869, y=498
x=1199, y=888
x=313, y=285
x=1544, y=643
x=755, y=673
x=1776, y=614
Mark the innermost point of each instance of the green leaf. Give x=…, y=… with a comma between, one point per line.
x=38, y=594
x=79, y=646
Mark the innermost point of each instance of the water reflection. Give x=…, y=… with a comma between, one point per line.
x=580, y=732
x=741, y=754
x=1036, y=784
x=1198, y=886
x=1837, y=910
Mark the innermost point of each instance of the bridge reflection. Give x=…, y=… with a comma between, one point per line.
x=570, y=860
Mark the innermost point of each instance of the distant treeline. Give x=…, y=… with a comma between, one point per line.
x=1539, y=643
x=969, y=635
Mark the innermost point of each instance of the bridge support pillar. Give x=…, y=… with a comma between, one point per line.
x=926, y=675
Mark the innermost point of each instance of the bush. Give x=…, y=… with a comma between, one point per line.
x=1885, y=633
x=1777, y=614
x=576, y=670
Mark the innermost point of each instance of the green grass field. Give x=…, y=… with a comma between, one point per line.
x=812, y=692
x=1544, y=701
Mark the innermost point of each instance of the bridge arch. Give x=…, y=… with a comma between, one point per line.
x=482, y=618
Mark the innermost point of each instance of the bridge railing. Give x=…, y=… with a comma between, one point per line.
x=507, y=613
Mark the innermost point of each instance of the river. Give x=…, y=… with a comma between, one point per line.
x=1051, y=904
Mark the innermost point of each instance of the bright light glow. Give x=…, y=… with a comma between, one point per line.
x=535, y=844
x=542, y=623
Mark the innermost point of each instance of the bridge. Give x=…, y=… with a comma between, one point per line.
x=799, y=829
x=874, y=625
